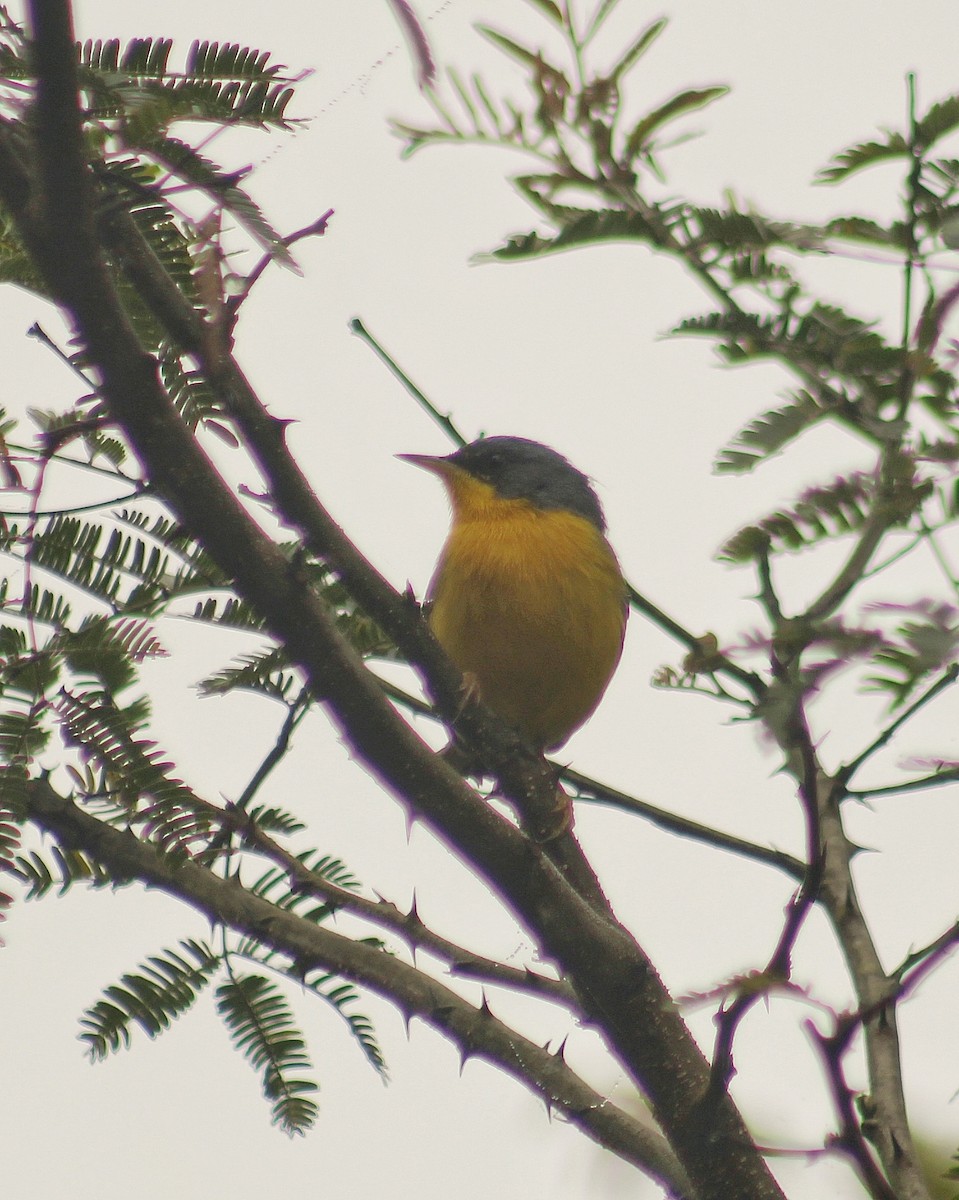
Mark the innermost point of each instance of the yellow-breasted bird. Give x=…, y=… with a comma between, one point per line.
x=527, y=598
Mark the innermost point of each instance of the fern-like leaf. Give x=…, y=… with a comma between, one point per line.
x=862, y=229
x=62, y=869
x=227, y=60
x=188, y=164
x=271, y=819
x=274, y=885
x=865, y=154
x=331, y=989
x=107, y=651
x=928, y=641
x=261, y=671
x=636, y=49
x=821, y=512
x=768, y=434
x=229, y=611
x=143, y=778
x=941, y=120
x=9, y=845
x=162, y=989
x=732, y=230
x=342, y=996
x=586, y=228
x=521, y=54
x=641, y=138
x=261, y=1024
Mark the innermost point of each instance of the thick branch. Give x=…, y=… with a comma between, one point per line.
x=615, y=980
x=475, y=1031
x=875, y=992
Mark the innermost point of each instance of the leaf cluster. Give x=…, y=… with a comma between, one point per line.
x=86, y=609
x=253, y=1008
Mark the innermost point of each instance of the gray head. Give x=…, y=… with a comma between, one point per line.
x=520, y=469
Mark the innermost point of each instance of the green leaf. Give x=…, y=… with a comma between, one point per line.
x=262, y=671
x=24, y=734
x=549, y=10
x=261, y=1024
x=862, y=229
x=636, y=49
x=190, y=390
x=275, y=885
x=586, y=228
x=529, y=58
x=143, y=778
x=603, y=10
x=333, y=990
x=466, y=100
x=638, y=141
x=142, y=58
x=928, y=642
x=941, y=119
x=730, y=229
x=768, y=434
x=62, y=871
x=162, y=989
x=227, y=60
x=228, y=611
x=860, y=157
x=275, y=820
x=107, y=651
x=490, y=108
x=821, y=512
x=182, y=160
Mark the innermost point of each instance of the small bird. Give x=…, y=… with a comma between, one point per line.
x=527, y=598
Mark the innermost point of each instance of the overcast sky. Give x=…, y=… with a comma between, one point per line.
x=567, y=351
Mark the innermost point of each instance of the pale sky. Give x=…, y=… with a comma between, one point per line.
x=568, y=351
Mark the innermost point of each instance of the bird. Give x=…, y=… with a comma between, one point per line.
x=527, y=597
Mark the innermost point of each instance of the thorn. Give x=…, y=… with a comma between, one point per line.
x=484, y=1008
x=560, y=1051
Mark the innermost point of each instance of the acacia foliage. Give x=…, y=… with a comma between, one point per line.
x=87, y=588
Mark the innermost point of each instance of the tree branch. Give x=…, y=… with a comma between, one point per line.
x=474, y=1030
x=593, y=792
x=947, y=678
x=614, y=978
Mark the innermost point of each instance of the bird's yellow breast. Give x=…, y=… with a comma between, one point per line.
x=531, y=602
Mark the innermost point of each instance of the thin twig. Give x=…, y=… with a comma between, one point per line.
x=910, y=785
x=295, y=713
x=444, y=421
x=590, y=791
x=315, y=229
x=948, y=677
x=850, y=1139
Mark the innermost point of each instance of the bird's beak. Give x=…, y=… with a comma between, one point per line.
x=436, y=464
